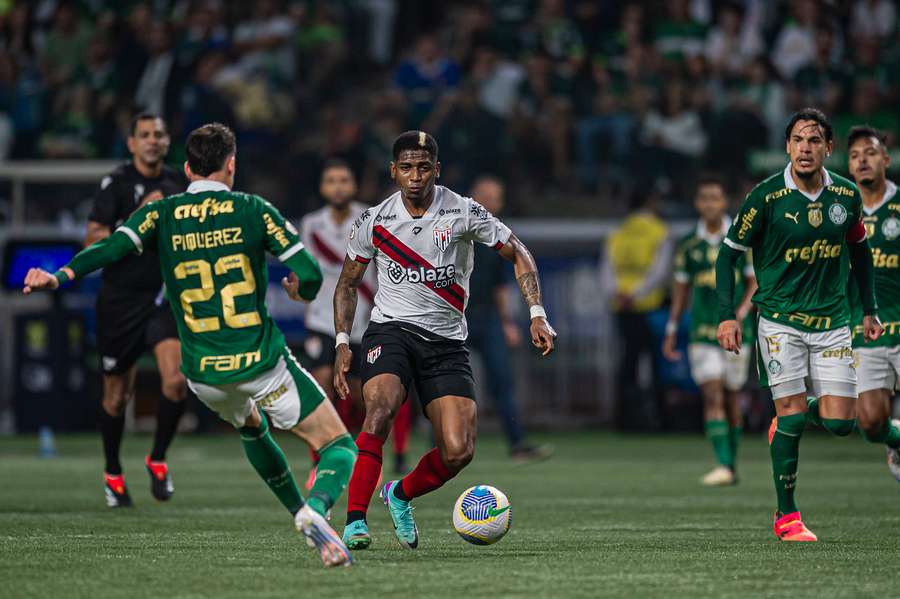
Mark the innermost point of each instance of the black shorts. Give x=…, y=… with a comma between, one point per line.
x=319, y=351
x=438, y=366
x=128, y=324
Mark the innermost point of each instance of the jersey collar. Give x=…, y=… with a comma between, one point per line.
x=714, y=238
x=202, y=185
x=890, y=190
x=791, y=184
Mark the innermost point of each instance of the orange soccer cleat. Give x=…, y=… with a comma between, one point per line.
x=790, y=527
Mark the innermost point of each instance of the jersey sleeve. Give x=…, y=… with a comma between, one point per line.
x=745, y=264
x=680, y=267
x=142, y=227
x=360, y=246
x=281, y=238
x=856, y=233
x=486, y=228
x=105, y=208
x=749, y=222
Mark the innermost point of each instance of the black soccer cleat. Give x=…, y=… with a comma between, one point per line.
x=116, y=491
x=161, y=486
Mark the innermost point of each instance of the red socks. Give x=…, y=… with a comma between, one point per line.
x=402, y=427
x=366, y=473
x=429, y=474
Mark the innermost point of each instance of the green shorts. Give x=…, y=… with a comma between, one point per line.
x=286, y=393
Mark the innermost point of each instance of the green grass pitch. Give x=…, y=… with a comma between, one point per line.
x=609, y=515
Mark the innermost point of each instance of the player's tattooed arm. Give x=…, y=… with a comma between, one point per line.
x=542, y=334
x=345, y=298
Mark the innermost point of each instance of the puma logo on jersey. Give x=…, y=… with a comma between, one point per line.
x=794, y=217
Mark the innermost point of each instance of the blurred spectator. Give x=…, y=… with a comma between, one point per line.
x=867, y=106
x=821, y=82
x=733, y=43
x=795, y=46
x=263, y=42
x=762, y=93
x=498, y=81
x=321, y=50
x=424, y=77
x=873, y=18
x=382, y=14
x=66, y=46
x=678, y=36
x=556, y=34
x=633, y=279
x=159, y=86
x=201, y=100
x=17, y=32
x=71, y=130
x=22, y=96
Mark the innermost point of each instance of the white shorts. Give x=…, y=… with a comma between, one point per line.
x=877, y=367
x=789, y=356
x=712, y=363
x=286, y=393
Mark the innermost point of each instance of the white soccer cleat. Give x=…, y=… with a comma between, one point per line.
x=720, y=476
x=893, y=456
x=320, y=535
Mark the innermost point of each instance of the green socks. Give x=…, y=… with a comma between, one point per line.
x=336, y=460
x=269, y=462
x=718, y=434
x=785, y=451
x=889, y=435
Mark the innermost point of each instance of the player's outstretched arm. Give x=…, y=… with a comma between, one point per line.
x=542, y=334
x=729, y=333
x=345, y=298
x=305, y=279
x=96, y=256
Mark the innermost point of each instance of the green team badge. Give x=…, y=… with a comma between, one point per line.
x=774, y=367
x=891, y=228
x=814, y=216
x=837, y=213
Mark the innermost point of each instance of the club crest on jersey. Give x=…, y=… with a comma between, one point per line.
x=373, y=354
x=442, y=236
x=814, y=216
x=890, y=228
x=837, y=213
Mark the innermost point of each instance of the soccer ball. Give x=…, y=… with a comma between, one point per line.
x=482, y=515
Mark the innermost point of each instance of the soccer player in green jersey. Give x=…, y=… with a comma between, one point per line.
x=212, y=245
x=718, y=373
x=878, y=363
x=805, y=228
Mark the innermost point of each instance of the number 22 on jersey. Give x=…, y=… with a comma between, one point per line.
x=203, y=270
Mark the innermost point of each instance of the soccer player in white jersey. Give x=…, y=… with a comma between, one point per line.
x=324, y=233
x=421, y=240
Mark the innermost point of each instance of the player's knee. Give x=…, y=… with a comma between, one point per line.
x=379, y=415
x=174, y=387
x=457, y=456
x=869, y=424
x=114, y=403
x=838, y=426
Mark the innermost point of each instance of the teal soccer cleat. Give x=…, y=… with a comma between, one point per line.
x=356, y=535
x=401, y=514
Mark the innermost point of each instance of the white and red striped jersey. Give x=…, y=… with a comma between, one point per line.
x=326, y=240
x=424, y=263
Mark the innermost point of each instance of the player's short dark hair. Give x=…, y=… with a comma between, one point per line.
x=208, y=147
x=336, y=163
x=145, y=116
x=862, y=131
x=810, y=114
x=415, y=140
x=710, y=179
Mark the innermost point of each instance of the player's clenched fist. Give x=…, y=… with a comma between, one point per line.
x=873, y=328
x=729, y=336
x=38, y=278
x=542, y=335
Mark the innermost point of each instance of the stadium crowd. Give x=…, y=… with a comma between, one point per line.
x=562, y=98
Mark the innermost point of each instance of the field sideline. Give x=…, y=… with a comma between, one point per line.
x=616, y=516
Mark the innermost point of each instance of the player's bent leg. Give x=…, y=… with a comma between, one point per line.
x=118, y=390
x=717, y=432
x=785, y=450
x=837, y=412
x=323, y=430
x=323, y=376
x=169, y=412
x=873, y=417
x=383, y=395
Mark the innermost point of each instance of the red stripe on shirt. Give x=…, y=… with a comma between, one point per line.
x=329, y=255
x=401, y=253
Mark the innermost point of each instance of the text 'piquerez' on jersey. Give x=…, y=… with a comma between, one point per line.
x=212, y=246
x=424, y=263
